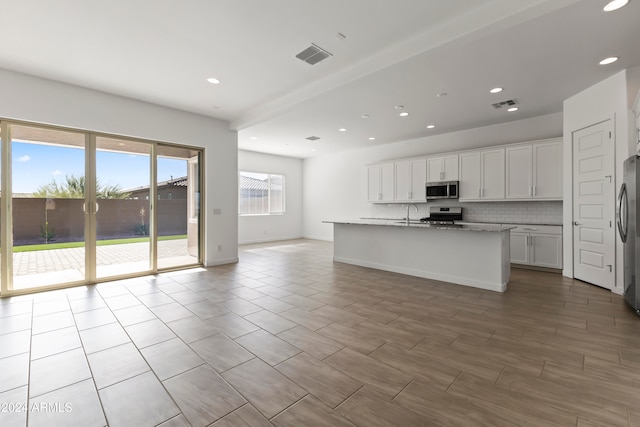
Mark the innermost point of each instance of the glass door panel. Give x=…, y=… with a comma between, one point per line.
x=48, y=196
x=122, y=208
x=178, y=206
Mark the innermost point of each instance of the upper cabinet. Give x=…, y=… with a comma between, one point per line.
x=410, y=180
x=534, y=171
x=523, y=171
x=442, y=168
x=380, y=182
x=482, y=175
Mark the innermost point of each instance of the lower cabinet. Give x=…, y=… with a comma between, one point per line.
x=536, y=245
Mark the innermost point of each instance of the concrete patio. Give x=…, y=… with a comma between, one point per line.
x=46, y=267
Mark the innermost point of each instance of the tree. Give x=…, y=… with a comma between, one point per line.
x=73, y=188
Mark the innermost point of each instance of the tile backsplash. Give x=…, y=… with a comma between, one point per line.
x=499, y=212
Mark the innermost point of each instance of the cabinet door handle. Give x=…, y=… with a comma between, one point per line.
x=530, y=229
x=479, y=192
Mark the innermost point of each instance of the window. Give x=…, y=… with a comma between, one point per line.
x=261, y=194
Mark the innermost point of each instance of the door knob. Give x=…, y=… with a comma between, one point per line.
x=576, y=223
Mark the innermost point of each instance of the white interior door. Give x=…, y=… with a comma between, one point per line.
x=594, y=205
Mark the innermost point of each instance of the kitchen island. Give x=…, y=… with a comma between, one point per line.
x=472, y=255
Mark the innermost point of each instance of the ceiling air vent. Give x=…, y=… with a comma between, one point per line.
x=507, y=103
x=313, y=138
x=313, y=54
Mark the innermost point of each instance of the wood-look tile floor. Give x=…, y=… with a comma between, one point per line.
x=287, y=337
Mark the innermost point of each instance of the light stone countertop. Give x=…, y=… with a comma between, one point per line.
x=417, y=224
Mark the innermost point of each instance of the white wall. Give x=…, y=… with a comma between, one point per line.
x=44, y=101
x=608, y=99
x=262, y=228
x=335, y=186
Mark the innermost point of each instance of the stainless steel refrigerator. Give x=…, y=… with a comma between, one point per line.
x=627, y=214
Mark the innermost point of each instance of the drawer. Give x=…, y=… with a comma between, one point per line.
x=536, y=229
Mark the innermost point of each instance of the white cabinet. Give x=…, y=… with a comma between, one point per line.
x=547, y=170
x=410, y=179
x=534, y=171
x=482, y=175
x=519, y=172
x=380, y=182
x=537, y=245
x=442, y=168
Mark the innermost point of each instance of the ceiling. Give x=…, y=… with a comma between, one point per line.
x=384, y=54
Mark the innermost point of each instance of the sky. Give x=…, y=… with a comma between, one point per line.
x=34, y=165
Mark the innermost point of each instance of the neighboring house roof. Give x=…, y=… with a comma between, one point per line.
x=174, y=182
x=249, y=183
x=178, y=182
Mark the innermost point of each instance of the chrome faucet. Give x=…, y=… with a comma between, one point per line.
x=408, y=206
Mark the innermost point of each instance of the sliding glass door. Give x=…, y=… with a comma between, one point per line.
x=123, y=207
x=178, y=206
x=48, y=196
x=87, y=208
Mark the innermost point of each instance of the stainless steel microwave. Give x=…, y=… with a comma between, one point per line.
x=442, y=190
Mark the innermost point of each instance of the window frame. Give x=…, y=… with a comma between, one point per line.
x=269, y=177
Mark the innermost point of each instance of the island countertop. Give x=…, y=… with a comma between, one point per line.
x=417, y=224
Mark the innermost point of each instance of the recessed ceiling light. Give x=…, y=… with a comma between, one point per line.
x=609, y=60
x=372, y=139
x=404, y=114
x=365, y=116
x=213, y=80
x=430, y=126
x=512, y=109
x=254, y=138
x=442, y=94
x=496, y=90
x=614, y=5
x=342, y=130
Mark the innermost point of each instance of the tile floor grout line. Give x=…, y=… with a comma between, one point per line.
x=349, y=397
x=93, y=379
x=403, y=388
x=28, y=397
x=291, y=405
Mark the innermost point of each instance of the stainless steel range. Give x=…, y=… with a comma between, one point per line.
x=443, y=216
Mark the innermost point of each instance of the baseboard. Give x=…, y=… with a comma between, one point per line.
x=537, y=268
x=324, y=239
x=222, y=262
x=268, y=239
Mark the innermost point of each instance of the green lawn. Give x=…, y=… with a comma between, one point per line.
x=49, y=246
